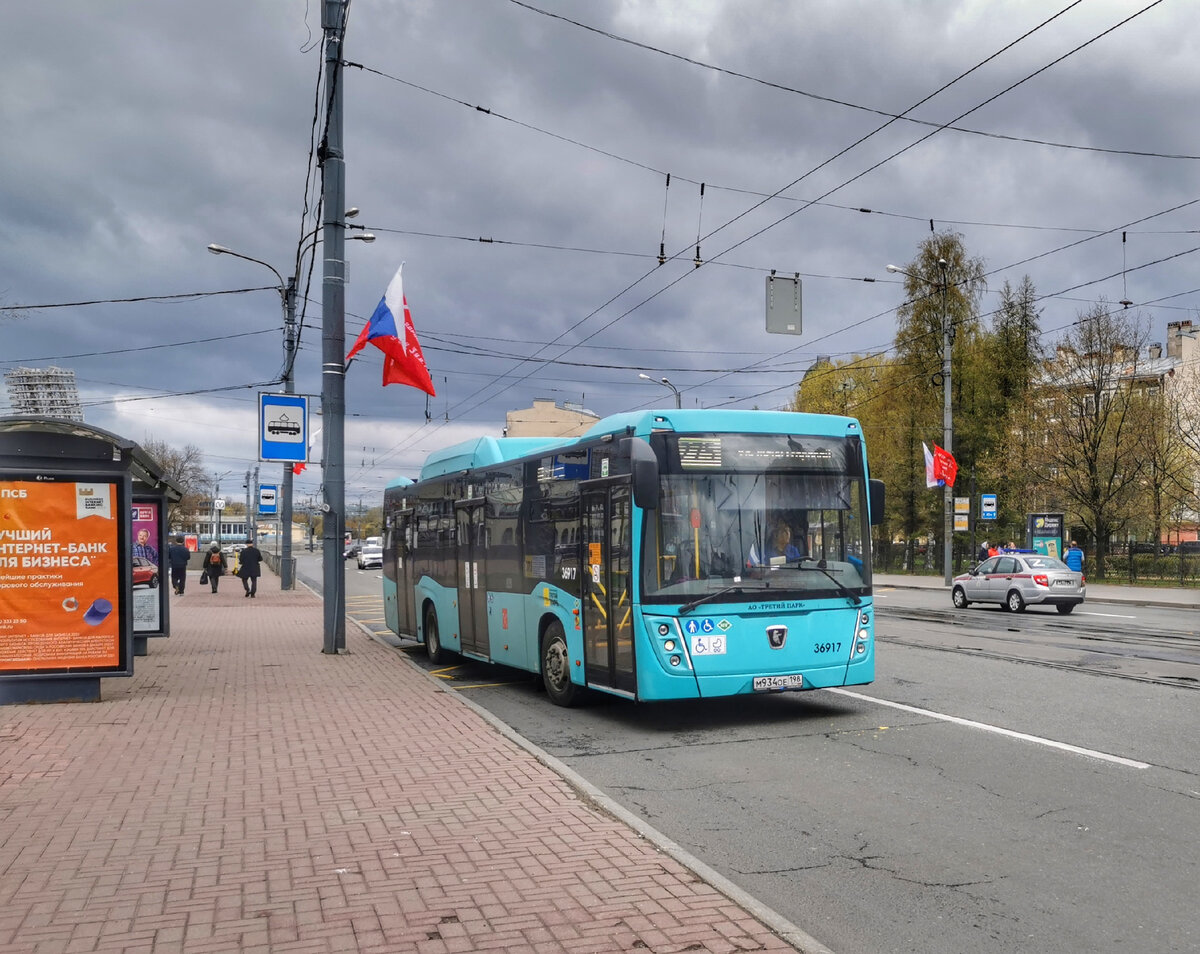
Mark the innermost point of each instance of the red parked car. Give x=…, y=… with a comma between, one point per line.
x=145, y=573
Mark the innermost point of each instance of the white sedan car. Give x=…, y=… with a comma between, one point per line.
x=1015, y=580
x=370, y=556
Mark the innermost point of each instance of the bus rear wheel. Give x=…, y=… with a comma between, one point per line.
x=556, y=667
x=433, y=640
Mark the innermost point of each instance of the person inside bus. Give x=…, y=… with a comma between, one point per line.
x=781, y=544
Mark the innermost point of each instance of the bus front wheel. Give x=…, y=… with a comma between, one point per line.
x=433, y=641
x=556, y=667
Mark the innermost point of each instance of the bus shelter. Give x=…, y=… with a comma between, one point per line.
x=82, y=558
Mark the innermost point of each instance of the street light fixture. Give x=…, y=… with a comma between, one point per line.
x=664, y=381
x=287, y=294
x=947, y=413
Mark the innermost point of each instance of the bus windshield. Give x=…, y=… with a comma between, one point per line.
x=784, y=513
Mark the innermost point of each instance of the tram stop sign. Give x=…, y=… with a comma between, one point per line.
x=283, y=428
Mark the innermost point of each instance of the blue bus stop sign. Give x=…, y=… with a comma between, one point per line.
x=283, y=428
x=268, y=503
x=987, y=507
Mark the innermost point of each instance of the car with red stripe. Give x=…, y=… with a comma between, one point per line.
x=1016, y=579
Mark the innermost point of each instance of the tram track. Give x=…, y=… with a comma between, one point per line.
x=1168, y=658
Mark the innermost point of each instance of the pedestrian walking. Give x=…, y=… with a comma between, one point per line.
x=249, y=566
x=177, y=558
x=214, y=565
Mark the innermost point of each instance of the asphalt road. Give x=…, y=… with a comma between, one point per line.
x=1008, y=784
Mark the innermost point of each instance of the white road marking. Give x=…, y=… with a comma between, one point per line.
x=1110, y=615
x=1038, y=740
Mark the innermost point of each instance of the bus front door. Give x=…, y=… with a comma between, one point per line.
x=607, y=516
x=472, y=578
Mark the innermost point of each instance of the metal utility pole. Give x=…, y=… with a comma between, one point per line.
x=254, y=511
x=947, y=424
x=947, y=413
x=287, y=576
x=333, y=333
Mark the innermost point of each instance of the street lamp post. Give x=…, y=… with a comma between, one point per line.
x=287, y=294
x=947, y=413
x=665, y=381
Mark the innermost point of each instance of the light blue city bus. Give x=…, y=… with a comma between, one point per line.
x=647, y=558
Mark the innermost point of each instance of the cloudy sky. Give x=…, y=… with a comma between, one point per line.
x=137, y=133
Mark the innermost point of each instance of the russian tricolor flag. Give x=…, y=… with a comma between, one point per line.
x=403, y=362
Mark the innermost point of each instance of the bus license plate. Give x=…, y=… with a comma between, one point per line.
x=772, y=683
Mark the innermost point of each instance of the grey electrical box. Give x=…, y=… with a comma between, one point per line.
x=784, y=310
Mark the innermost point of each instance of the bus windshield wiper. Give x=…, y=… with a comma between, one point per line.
x=708, y=598
x=819, y=565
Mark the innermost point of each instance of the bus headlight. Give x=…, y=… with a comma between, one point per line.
x=669, y=645
x=663, y=629
x=674, y=660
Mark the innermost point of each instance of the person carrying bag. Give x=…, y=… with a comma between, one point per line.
x=214, y=566
x=249, y=567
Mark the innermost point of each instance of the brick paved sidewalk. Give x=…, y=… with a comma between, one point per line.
x=244, y=792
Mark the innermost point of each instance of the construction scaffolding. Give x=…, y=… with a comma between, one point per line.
x=43, y=392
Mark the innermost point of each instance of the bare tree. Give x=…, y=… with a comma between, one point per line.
x=1168, y=478
x=185, y=469
x=1182, y=397
x=1088, y=435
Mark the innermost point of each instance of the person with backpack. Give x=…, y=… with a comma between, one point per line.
x=214, y=565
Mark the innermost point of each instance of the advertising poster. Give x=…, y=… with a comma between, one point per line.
x=1045, y=532
x=60, y=579
x=147, y=566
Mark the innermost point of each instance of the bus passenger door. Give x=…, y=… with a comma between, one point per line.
x=472, y=578
x=400, y=548
x=607, y=517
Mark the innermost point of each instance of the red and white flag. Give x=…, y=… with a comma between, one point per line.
x=930, y=480
x=403, y=361
x=945, y=467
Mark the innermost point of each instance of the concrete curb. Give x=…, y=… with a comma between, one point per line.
x=785, y=929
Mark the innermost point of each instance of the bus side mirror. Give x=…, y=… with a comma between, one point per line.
x=875, y=501
x=643, y=465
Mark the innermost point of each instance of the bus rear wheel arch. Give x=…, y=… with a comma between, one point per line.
x=556, y=667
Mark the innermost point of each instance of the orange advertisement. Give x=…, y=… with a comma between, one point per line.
x=60, y=582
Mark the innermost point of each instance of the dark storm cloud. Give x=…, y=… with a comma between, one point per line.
x=138, y=134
